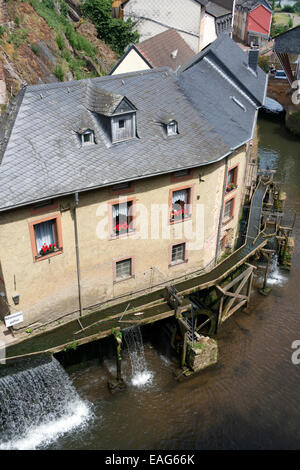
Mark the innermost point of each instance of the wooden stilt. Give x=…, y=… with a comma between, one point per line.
x=117, y=384
x=183, y=353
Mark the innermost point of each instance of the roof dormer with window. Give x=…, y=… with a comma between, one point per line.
x=116, y=112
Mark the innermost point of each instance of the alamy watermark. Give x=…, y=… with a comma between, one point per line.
x=296, y=354
x=156, y=222
x=296, y=93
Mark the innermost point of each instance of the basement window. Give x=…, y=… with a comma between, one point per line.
x=123, y=269
x=178, y=254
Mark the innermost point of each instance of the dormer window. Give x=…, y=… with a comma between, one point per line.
x=123, y=127
x=172, y=128
x=87, y=137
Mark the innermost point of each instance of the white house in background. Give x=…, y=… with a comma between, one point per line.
x=166, y=49
x=199, y=22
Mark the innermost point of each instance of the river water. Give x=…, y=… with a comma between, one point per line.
x=249, y=400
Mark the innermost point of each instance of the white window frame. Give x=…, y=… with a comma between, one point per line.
x=172, y=128
x=92, y=139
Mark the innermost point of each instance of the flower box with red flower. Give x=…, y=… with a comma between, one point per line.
x=230, y=187
x=46, y=249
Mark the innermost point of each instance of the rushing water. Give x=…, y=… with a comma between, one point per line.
x=134, y=340
x=249, y=400
x=37, y=405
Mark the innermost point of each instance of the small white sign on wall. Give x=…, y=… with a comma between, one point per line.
x=13, y=319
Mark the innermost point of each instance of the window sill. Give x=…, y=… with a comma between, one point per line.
x=177, y=263
x=232, y=191
x=123, y=235
x=49, y=255
x=122, y=279
x=172, y=222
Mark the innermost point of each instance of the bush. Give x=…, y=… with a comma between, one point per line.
x=18, y=37
x=116, y=32
x=64, y=9
x=288, y=9
x=60, y=42
x=49, y=4
x=59, y=73
x=263, y=62
x=35, y=48
x=2, y=30
x=17, y=21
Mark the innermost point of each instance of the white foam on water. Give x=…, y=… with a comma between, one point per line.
x=142, y=378
x=78, y=415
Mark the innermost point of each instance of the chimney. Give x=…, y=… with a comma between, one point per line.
x=253, y=58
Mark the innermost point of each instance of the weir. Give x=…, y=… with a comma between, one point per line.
x=38, y=403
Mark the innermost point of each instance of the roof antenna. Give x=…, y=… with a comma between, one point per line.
x=122, y=81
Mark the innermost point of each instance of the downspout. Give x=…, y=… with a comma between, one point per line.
x=77, y=256
x=221, y=212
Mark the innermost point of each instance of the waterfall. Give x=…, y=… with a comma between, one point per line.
x=140, y=374
x=275, y=276
x=38, y=403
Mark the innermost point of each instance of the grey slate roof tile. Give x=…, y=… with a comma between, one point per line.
x=43, y=158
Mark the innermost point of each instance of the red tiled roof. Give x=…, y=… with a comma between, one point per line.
x=157, y=50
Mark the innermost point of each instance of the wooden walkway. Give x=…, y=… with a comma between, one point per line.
x=152, y=306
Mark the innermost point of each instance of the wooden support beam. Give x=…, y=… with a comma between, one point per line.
x=237, y=307
x=183, y=353
x=239, y=288
x=249, y=287
x=237, y=279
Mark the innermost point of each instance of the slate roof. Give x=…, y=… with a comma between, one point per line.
x=288, y=42
x=249, y=4
x=44, y=158
x=216, y=10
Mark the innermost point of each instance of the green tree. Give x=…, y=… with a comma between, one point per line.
x=114, y=31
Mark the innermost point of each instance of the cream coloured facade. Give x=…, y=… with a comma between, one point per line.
x=132, y=62
x=47, y=286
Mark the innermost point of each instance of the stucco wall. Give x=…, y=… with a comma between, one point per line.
x=132, y=62
x=154, y=17
x=208, y=30
x=48, y=288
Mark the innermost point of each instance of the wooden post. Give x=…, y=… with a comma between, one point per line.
x=249, y=288
x=183, y=353
x=117, y=384
x=119, y=358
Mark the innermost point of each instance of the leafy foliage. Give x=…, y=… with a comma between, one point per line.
x=18, y=37
x=59, y=73
x=114, y=31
